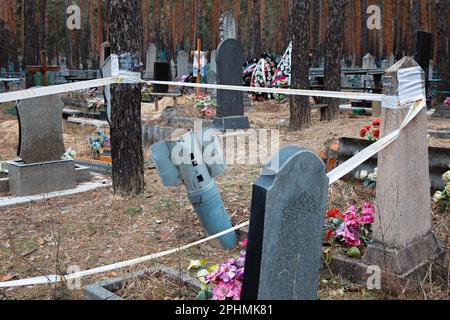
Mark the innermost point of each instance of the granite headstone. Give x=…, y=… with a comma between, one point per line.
x=286, y=227
x=41, y=129
x=228, y=28
x=183, y=63
x=150, y=61
x=369, y=62
x=230, y=107
x=213, y=65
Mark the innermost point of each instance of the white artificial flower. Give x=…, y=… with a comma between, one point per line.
x=69, y=155
x=446, y=176
x=447, y=189
x=363, y=174
x=438, y=196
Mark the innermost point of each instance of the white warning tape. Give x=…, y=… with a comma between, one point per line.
x=292, y=92
x=334, y=176
x=60, y=278
x=82, y=85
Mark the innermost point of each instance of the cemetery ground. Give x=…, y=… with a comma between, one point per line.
x=97, y=228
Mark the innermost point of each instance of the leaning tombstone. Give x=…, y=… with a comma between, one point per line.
x=286, y=226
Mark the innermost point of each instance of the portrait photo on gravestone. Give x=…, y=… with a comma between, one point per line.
x=267, y=155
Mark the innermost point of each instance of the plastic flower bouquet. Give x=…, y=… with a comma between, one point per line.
x=443, y=197
x=69, y=155
x=369, y=179
x=371, y=132
x=222, y=281
x=96, y=143
x=351, y=230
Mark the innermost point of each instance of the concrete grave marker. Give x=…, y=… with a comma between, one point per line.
x=228, y=28
x=286, y=228
x=41, y=129
x=369, y=62
x=213, y=65
x=150, y=61
x=403, y=240
x=230, y=107
x=183, y=63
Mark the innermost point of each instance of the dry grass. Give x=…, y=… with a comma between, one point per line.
x=98, y=228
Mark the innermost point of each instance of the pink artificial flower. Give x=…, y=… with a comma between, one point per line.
x=367, y=215
x=240, y=274
x=447, y=101
x=367, y=219
x=228, y=272
x=222, y=291
x=349, y=238
x=214, y=276
x=225, y=291
x=244, y=243
x=351, y=219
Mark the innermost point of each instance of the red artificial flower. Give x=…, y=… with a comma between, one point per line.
x=333, y=213
x=376, y=122
x=368, y=127
x=362, y=132
x=329, y=235
x=376, y=133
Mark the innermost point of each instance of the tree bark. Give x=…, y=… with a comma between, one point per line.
x=255, y=30
x=299, y=105
x=364, y=30
x=333, y=56
x=126, y=131
x=442, y=52
x=415, y=25
x=30, y=52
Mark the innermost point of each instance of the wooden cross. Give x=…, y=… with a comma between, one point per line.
x=43, y=68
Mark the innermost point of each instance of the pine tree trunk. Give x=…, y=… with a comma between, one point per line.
x=415, y=25
x=442, y=52
x=255, y=30
x=126, y=129
x=333, y=56
x=364, y=30
x=299, y=105
x=42, y=19
x=30, y=54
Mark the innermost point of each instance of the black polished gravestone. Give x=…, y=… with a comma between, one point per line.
x=286, y=226
x=162, y=73
x=230, y=105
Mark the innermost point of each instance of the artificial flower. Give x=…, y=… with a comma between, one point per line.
x=333, y=213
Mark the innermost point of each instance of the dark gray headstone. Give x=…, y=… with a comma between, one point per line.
x=230, y=106
x=41, y=129
x=286, y=227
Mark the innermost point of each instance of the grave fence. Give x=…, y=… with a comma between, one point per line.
x=411, y=97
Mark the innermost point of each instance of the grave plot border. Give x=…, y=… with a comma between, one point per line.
x=103, y=290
